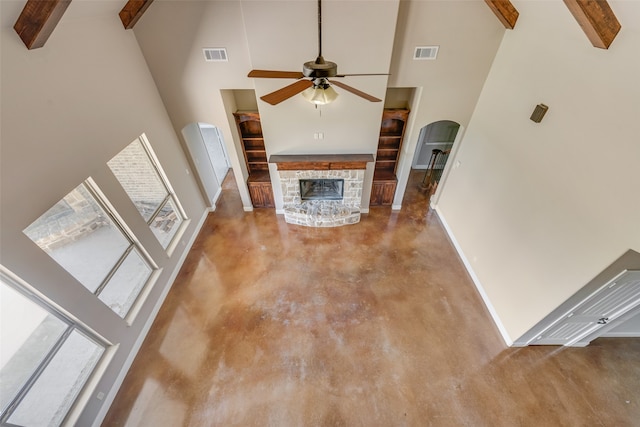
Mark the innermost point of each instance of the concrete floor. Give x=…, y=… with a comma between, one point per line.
x=373, y=324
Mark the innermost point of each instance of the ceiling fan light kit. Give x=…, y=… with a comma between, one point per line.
x=318, y=89
x=320, y=93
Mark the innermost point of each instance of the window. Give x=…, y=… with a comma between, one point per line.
x=83, y=235
x=139, y=173
x=46, y=358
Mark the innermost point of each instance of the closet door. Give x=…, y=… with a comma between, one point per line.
x=611, y=301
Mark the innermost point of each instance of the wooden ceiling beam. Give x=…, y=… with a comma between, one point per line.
x=133, y=11
x=38, y=19
x=597, y=20
x=505, y=11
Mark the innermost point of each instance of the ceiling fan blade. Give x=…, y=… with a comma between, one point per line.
x=268, y=74
x=356, y=91
x=369, y=74
x=286, y=92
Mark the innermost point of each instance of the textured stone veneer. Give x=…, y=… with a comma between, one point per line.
x=325, y=213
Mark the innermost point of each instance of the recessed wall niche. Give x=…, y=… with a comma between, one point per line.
x=245, y=99
x=399, y=97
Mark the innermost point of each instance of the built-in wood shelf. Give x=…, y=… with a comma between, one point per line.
x=394, y=121
x=255, y=156
x=259, y=177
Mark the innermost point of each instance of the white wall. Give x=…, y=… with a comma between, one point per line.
x=539, y=209
x=282, y=35
x=67, y=109
x=350, y=124
x=279, y=35
x=171, y=36
x=468, y=34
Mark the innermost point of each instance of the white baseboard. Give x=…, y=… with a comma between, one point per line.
x=494, y=315
x=248, y=208
x=364, y=210
x=396, y=207
x=145, y=329
x=215, y=199
x=279, y=211
x=620, y=335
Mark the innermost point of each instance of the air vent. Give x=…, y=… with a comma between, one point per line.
x=215, y=54
x=426, y=52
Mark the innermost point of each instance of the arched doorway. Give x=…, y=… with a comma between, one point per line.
x=437, y=135
x=435, y=144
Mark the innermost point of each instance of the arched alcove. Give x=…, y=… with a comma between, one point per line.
x=437, y=135
x=434, y=147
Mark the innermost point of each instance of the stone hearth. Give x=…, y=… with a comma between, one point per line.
x=322, y=213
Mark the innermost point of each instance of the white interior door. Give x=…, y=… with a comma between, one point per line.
x=215, y=148
x=605, y=305
x=201, y=159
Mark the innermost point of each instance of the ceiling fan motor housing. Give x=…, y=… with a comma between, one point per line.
x=320, y=68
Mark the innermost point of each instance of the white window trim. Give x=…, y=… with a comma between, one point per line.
x=155, y=162
x=164, y=179
x=102, y=199
x=110, y=210
x=32, y=294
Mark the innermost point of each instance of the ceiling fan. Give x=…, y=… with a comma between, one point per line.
x=317, y=89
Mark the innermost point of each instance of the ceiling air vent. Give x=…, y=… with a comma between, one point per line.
x=426, y=52
x=215, y=54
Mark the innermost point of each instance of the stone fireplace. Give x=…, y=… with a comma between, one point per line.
x=335, y=181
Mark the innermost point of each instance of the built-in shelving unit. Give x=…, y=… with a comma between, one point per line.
x=394, y=121
x=255, y=156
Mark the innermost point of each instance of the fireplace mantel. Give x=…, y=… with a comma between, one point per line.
x=321, y=161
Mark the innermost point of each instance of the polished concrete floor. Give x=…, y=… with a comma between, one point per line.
x=373, y=324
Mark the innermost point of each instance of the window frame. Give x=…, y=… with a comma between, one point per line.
x=133, y=244
x=171, y=194
x=72, y=324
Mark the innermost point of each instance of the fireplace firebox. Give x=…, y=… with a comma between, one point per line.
x=321, y=189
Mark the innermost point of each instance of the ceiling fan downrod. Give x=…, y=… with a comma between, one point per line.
x=320, y=58
x=320, y=67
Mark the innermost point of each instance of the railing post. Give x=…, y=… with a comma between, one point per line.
x=428, y=181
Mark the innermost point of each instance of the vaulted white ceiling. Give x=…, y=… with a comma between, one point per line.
x=363, y=36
